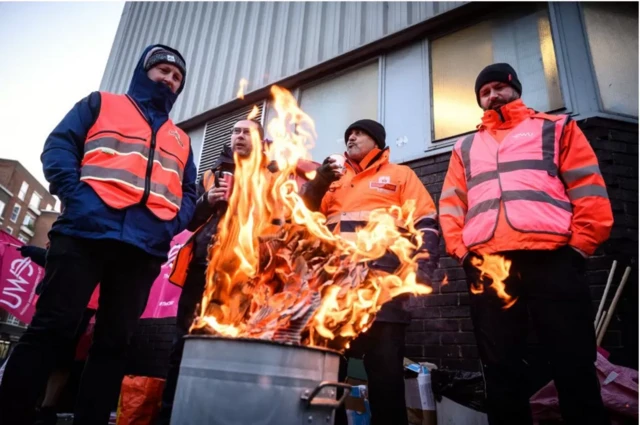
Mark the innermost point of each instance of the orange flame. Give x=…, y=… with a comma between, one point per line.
x=254, y=113
x=496, y=268
x=242, y=87
x=276, y=268
x=445, y=281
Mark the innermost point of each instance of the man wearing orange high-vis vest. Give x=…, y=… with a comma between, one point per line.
x=125, y=174
x=527, y=187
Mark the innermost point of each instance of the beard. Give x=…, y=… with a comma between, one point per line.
x=500, y=102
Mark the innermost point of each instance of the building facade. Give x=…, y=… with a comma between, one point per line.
x=27, y=211
x=23, y=200
x=411, y=66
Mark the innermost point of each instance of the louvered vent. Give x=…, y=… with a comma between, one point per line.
x=218, y=133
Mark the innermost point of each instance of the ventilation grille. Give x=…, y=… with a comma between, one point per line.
x=217, y=133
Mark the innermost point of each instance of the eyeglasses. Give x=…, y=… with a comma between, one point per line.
x=241, y=130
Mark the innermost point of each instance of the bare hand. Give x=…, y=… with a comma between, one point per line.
x=217, y=194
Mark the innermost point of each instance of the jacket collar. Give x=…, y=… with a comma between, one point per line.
x=374, y=158
x=507, y=116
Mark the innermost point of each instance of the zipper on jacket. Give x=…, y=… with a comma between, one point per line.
x=147, y=176
x=152, y=151
x=500, y=114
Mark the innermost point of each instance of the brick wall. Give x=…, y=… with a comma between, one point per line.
x=441, y=331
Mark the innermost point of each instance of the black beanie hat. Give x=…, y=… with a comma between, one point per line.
x=159, y=55
x=501, y=72
x=374, y=129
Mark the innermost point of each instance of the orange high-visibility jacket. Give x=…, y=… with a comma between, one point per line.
x=127, y=164
x=180, y=266
x=526, y=180
x=376, y=183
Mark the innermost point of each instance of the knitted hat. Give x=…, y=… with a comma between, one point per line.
x=500, y=72
x=374, y=129
x=159, y=55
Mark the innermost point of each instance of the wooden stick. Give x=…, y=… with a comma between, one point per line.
x=604, y=295
x=612, y=307
x=600, y=322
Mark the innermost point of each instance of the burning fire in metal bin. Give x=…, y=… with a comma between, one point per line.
x=276, y=272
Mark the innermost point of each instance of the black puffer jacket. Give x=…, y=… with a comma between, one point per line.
x=205, y=212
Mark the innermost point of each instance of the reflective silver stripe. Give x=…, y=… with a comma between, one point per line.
x=117, y=145
x=588, y=190
x=536, y=196
x=465, y=150
x=570, y=176
x=360, y=216
x=549, y=146
x=524, y=164
x=481, y=178
x=128, y=178
x=454, y=191
x=491, y=204
x=455, y=211
x=167, y=162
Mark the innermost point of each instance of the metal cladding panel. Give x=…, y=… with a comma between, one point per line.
x=263, y=42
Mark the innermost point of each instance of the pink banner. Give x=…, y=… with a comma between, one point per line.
x=163, y=299
x=18, y=279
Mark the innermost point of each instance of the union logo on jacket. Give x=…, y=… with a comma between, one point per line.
x=126, y=164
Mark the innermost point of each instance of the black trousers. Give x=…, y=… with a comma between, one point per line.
x=552, y=291
x=382, y=349
x=74, y=268
x=190, y=297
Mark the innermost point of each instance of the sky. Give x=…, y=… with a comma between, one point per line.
x=52, y=55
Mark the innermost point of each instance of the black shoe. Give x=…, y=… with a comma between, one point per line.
x=46, y=416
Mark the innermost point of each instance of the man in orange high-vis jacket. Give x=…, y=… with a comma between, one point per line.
x=371, y=182
x=527, y=186
x=125, y=174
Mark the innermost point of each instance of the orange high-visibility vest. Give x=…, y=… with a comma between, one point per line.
x=522, y=172
x=126, y=163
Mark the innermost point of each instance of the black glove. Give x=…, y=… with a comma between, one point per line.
x=325, y=171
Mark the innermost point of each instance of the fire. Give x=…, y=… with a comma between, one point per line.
x=445, y=281
x=242, y=87
x=277, y=272
x=496, y=268
x=254, y=113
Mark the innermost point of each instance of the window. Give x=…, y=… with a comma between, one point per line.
x=407, y=102
x=24, y=239
x=336, y=103
x=15, y=213
x=612, y=34
x=521, y=38
x=9, y=230
x=29, y=220
x=23, y=191
x=13, y=320
x=218, y=133
x=2, y=205
x=34, y=204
